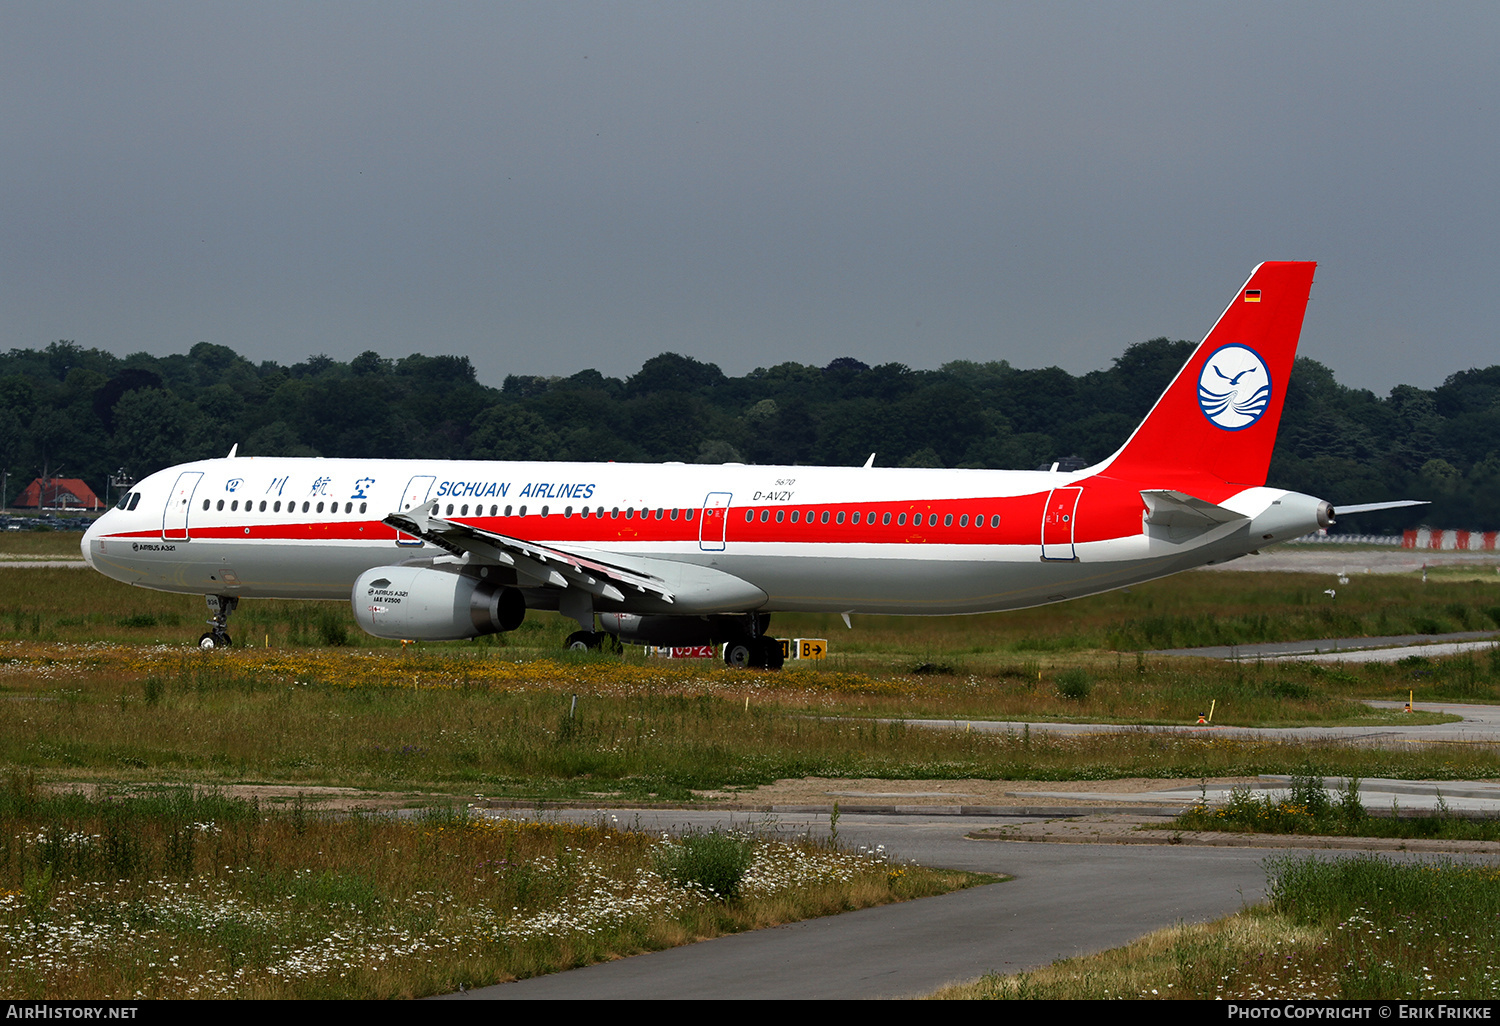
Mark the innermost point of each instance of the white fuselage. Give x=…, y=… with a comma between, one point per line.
x=793, y=538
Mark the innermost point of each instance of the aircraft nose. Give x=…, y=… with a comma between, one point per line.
x=88, y=536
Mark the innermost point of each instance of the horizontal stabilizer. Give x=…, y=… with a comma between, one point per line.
x=1179, y=510
x=1371, y=507
x=542, y=564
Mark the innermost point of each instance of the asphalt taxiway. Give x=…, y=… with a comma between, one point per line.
x=1062, y=900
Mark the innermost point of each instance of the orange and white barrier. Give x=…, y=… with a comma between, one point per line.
x=1452, y=541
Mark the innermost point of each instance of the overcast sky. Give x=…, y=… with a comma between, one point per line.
x=546, y=187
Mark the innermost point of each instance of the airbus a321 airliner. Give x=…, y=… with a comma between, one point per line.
x=678, y=555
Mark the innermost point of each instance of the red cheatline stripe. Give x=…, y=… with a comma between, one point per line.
x=1100, y=516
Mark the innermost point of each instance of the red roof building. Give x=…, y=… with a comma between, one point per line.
x=58, y=493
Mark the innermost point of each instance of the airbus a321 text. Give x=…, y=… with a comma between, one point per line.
x=678, y=555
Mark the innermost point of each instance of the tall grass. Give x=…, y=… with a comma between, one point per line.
x=176, y=893
x=1306, y=808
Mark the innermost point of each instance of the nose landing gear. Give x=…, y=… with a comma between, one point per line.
x=218, y=634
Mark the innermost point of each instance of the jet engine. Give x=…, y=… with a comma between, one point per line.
x=425, y=604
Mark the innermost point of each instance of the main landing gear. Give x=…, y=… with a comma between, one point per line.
x=590, y=641
x=752, y=648
x=218, y=634
x=755, y=653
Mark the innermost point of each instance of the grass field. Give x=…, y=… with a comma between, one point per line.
x=64, y=544
x=1307, y=808
x=177, y=893
x=102, y=684
x=467, y=724
x=105, y=684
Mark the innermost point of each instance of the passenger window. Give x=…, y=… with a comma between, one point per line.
x=221, y=504
x=449, y=513
x=544, y=510
x=307, y=505
x=749, y=515
x=780, y=515
x=824, y=518
x=765, y=515
x=521, y=512
x=567, y=512
x=901, y=520
x=841, y=516
x=320, y=508
x=854, y=519
x=234, y=506
x=674, y=514
x=614, y=514
x=995, y=520
x=276, y=507
x=262, y=505
x=688, y=515
x=795, y=515
x=363, y=506
x=463, y=510
x=885, y=520
x=963, y=521
x=661, y=514
x=629, y=512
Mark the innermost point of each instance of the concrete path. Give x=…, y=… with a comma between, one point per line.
x=1480, y=725
x=1386, y=649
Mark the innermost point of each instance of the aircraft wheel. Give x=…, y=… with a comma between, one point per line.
x=741, y=654
x=211, y=641
x=584, y=641
x=774, y=658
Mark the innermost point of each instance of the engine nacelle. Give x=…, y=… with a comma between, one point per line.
x=423, y=604
x=1290, y=516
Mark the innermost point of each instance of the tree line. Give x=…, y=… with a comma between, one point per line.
x=86, y=413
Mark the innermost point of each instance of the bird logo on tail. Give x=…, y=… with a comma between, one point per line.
x=1234, y=388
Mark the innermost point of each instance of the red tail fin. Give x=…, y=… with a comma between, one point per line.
x=1217, y=420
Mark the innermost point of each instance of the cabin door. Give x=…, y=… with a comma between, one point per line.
x=715, y=519
x=174, y=519
x=415, y=494
x=1058, y=522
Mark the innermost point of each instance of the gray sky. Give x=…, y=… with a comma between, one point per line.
x=552, y=186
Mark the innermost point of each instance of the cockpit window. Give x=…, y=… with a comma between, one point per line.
x=124, y=502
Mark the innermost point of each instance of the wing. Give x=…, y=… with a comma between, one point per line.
x=544, y=565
